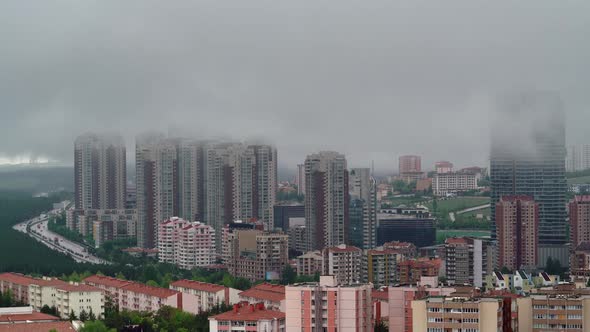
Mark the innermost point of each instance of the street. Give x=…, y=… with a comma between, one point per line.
x=37, y=229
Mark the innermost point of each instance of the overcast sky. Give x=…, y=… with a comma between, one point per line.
x=372, y=79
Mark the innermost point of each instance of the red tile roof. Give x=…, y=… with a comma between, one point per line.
x=17, y=278
x=20, y=279
x=249, y=312
x=34, y=316
x=106, y=281
x=38, y=327
x=265, y=291
x=79, y=288
x=149, y=290
x=197, y=285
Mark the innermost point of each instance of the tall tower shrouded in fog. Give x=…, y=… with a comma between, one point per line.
x=99, y=172
x=326, y=200
x=528, y=158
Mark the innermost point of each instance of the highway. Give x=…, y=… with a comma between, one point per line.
x=37, y=229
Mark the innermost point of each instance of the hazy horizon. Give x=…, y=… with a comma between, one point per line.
x=373, y=80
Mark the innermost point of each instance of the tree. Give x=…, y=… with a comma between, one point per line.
x=289, y=275
x=49, y=310
x=72, y=316
x=505, y=270
x=380, y=327
x=91, y=315
x=83, y=315
x=96, y=326
x=553, y=266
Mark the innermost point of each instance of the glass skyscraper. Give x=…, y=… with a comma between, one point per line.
x=528, y=158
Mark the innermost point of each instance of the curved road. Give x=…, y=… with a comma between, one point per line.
x=37, y=229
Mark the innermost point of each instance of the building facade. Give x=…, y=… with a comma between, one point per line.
x=409, y=163
x=579, y=211
x=517, y=224
x=99, y=172
x=328, y=306
x=363, y=208
x=453, y=182
x=578, y=158
x=186, y=244
x=248, y=317
x=343, y=262
x=104, y=224
x=468, y=260
x=326, y=200
x=381, y=266
x=528, y=158
x=201, y=297
x=310, y=263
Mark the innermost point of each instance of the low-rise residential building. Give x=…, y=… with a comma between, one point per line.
x=453, y=182
x=134, y=296
x=519, y=282
x=111, y=286
x=103, y=224
x=460, y=314
x=201, y=296
x=77, y=298
x=44, y=292
x=17, y=285
x=542, y=312
x=38, y=327
x=344, y=263
x=248, y=317
x=186, y=244
x=310, y=263
x=329, y=306
x=272, y=296
x=140, y=297
x=19, y=315
x=381, y=266
x=412, y=270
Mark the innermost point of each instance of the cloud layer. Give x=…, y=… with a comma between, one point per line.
x=372, y=79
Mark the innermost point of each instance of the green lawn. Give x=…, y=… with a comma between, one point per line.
x=442, y=234
x=459, y=203
x=486, y=212
x=579, y=180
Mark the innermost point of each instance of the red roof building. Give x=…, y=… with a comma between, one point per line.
x=201, y=296
x=250, y=316
x=38, y=327
x=273, y=296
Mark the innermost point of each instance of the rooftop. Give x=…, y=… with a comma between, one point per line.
x=37, y=327
x=380, y=294
x=249, y=312
x=78, y=288
x=107, y=281
x=16, y=278
x=344, y=248
x=149, y=290
x=581, y=198
x=14, y=317
x=265, y=291
x=197, y=285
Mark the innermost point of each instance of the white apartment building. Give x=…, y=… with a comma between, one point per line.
x=578, y=158
x=201, y=296
x=453, y=182
x=310, y=263
x=343, y=262
x=186, y=244
x=78, y=298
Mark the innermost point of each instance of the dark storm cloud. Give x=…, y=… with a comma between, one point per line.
x=372, y=79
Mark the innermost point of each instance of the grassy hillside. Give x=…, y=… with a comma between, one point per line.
x=458, y=203
x=18, y=252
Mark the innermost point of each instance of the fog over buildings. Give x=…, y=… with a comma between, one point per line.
x=373, y=80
